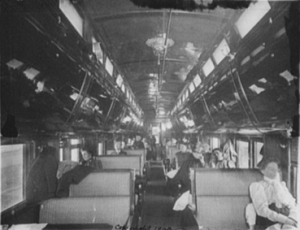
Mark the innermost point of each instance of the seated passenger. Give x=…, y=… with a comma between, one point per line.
x=272, y=204
x=179, y=176
x=118, y=148
x=221, y=162
x=206, y=147
x=182, y=155
x=184, y=205
x=198, y=152
x=131, y=143
x=78, y=173
x=212, y=159
x=89, y=160
x=230, y=153
x=138, y=144
x=222, y=159
x=41, y=181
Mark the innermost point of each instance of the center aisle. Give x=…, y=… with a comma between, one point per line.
x=158, y=204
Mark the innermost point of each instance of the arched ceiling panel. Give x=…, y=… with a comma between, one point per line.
x=126, y=30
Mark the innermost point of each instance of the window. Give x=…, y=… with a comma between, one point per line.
x=208, y=67
x=192, y=87
x=215, y=142
x=243, y=152
x=12, y=178
x=257, y=154
x=101, y=148
x=75, y=154
x=119, y=80
x=109, y=67
x=197, y=80
x=186, y=94
x=75, y=141
x=251, y=16
x=221, y=51
x=71, y=13
x=123, y=88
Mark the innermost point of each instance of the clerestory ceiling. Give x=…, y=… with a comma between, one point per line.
x=130, y=33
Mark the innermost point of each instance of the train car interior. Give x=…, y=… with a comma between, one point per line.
x=150, y=114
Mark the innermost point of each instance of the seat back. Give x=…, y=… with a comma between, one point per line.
x=105, y=183
x=104, y=196
x=113, y=210
x=122, y=162
x=138, y=152
x=221, y=196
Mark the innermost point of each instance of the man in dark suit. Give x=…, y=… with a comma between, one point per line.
x=138, y=144
x=41, y=181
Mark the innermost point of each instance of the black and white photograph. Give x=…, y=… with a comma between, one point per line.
x=150, y=114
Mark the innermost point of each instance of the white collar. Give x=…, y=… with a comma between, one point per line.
x=272, y=181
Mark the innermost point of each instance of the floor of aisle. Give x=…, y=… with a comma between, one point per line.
x=158, y=204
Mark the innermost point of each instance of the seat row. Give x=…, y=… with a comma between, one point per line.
x=221, y=196
x=104, y=196
x=109, y=196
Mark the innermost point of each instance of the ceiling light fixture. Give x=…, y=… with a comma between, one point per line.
x=159, y=44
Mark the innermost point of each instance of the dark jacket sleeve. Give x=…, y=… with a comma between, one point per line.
x=74, y=176
x=50, y=169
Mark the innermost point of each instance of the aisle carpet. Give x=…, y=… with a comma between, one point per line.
x=158, y=204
